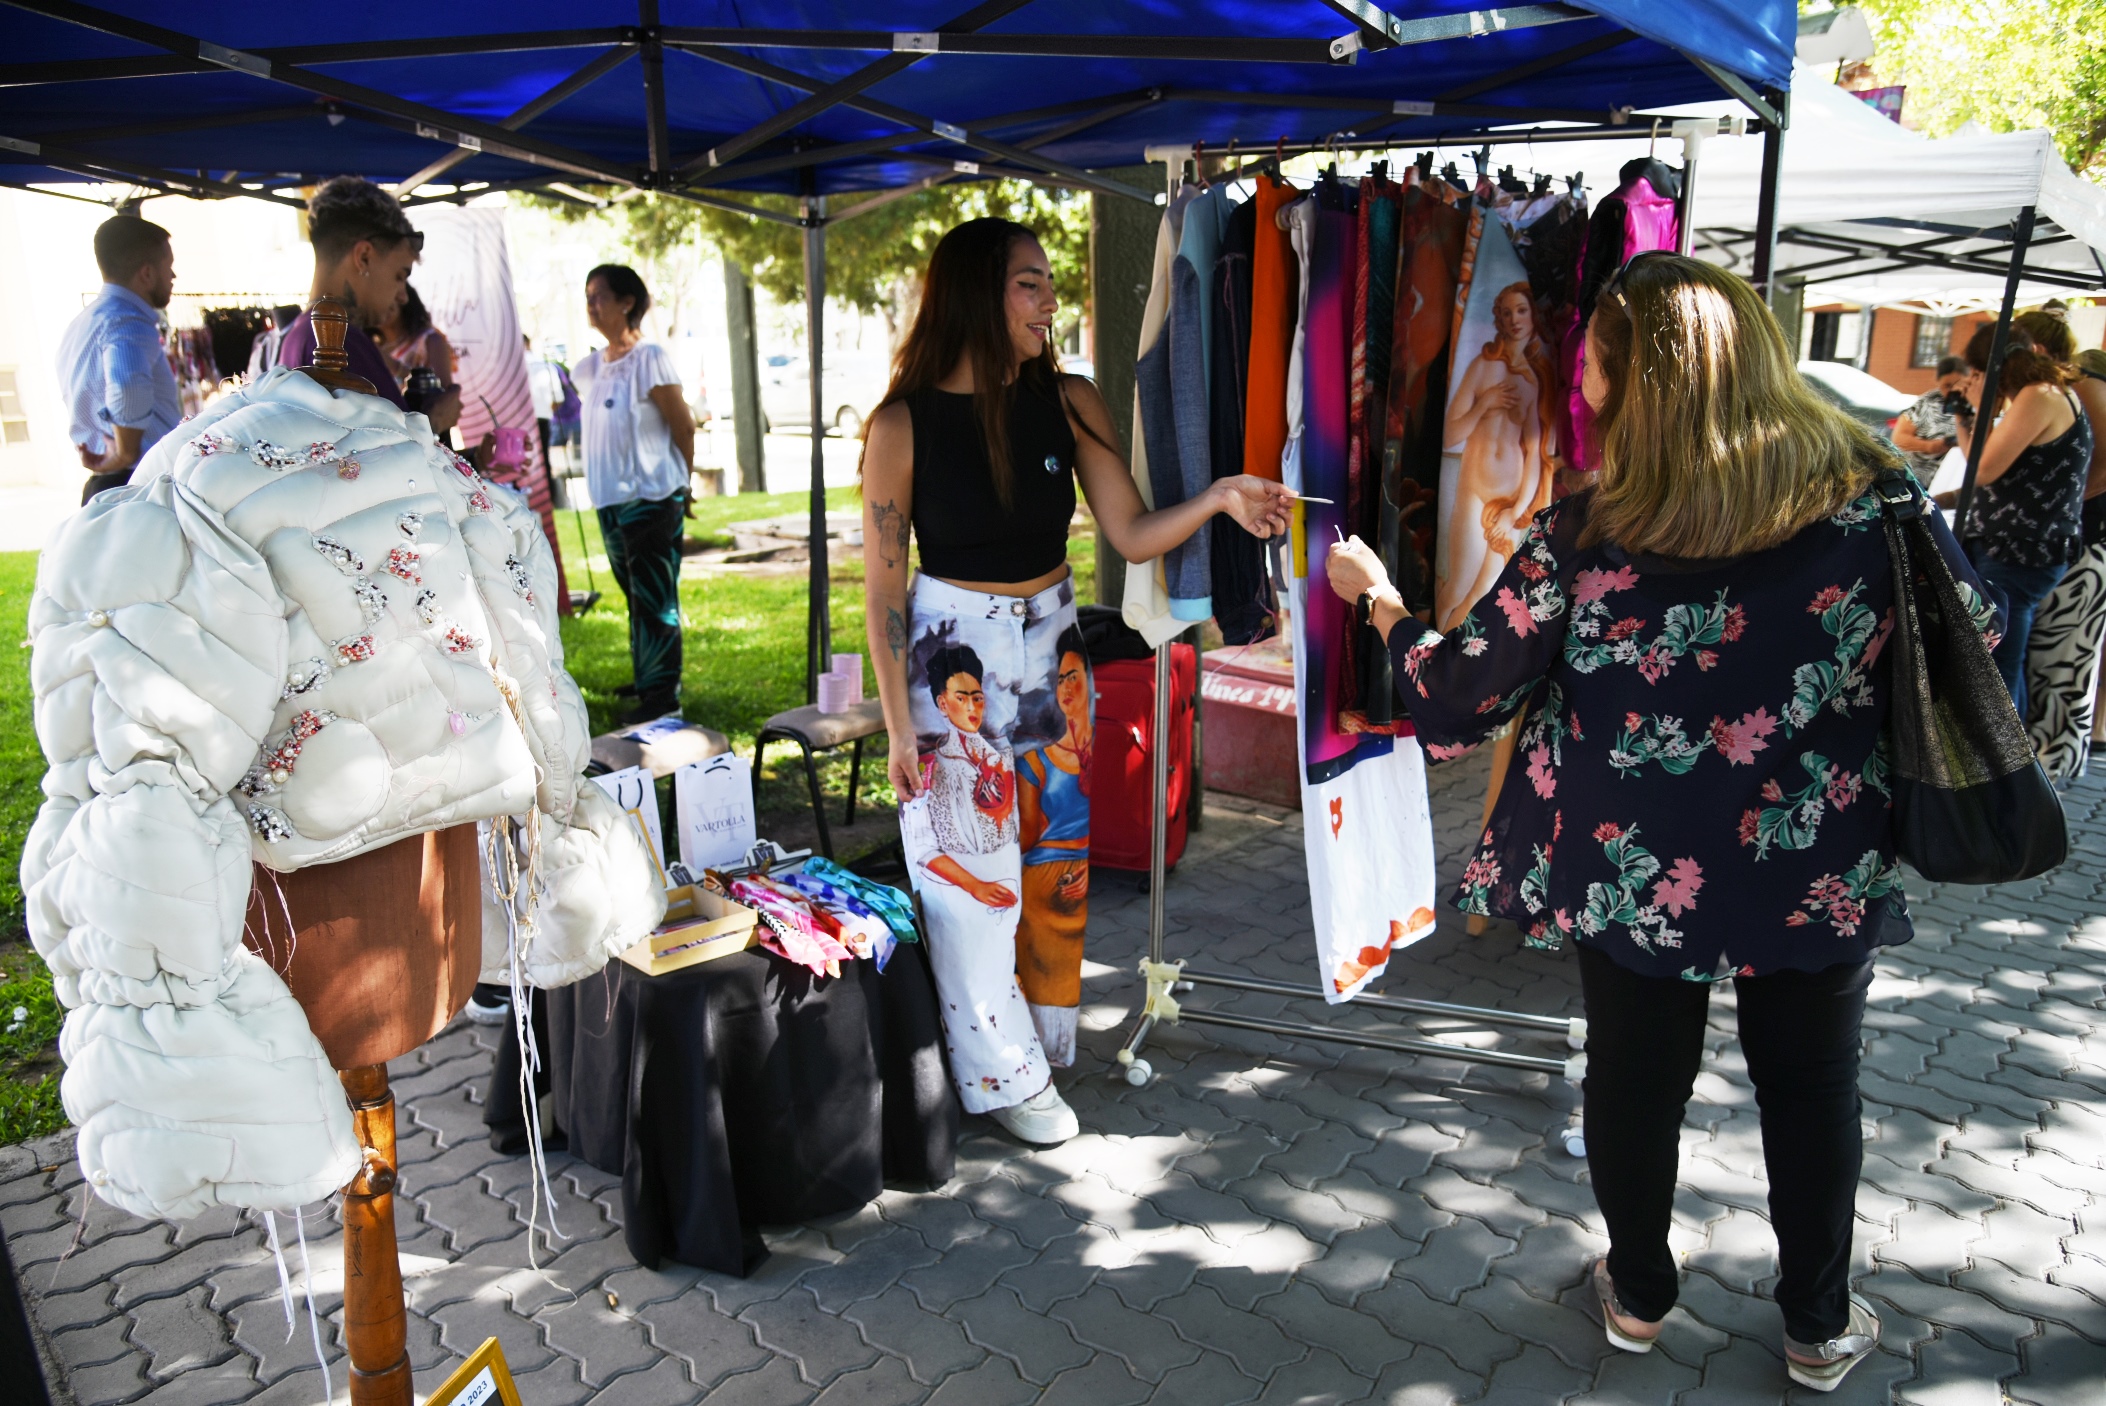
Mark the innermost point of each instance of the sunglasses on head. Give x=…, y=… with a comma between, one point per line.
x=1614, y=287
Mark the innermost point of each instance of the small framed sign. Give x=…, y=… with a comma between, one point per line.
x=483, y=1380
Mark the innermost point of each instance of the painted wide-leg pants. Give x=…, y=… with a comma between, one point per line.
x=1008, y=975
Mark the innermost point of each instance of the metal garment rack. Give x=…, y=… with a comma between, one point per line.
x=1167, y=980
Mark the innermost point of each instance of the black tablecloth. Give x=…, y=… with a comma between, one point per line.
x=739, y=1093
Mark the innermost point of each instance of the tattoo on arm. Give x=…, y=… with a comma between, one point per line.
x=892, y=528
x=895, y=631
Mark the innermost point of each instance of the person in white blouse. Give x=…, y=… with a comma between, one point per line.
x=639, y=440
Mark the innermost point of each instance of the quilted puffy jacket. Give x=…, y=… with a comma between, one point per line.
x=306, y=630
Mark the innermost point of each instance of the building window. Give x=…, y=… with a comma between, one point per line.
x=14, y=425
x=1933, y=341
x=1835, y=336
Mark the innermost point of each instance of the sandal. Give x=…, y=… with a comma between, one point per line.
x=1625, y=1329
x=1822, y=1366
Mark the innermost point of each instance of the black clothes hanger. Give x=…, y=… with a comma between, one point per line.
x=1425, y=165
x=1542, y=186
x=1664, y=178
x=1510, y=183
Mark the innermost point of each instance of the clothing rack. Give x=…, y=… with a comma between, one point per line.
x=1167, y=980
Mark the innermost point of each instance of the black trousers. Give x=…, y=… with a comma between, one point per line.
x=1800, y=1033
x=100, y=483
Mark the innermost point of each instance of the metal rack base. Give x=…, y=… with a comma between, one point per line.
x=1166, y=980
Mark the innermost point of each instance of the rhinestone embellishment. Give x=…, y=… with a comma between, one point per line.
x=340, y=556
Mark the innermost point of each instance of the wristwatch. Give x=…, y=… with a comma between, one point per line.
x=1364, y=608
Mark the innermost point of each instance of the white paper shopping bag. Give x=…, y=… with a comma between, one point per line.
x=633, y=791
x=713, y=811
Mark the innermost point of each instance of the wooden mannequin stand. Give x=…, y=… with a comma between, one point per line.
x=384, y=951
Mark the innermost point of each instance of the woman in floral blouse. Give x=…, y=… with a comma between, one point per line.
x=1695, y=648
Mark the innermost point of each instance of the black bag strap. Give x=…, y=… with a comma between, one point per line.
x=1900, y=496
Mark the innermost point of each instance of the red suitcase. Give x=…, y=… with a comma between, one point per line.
x=1122, y=769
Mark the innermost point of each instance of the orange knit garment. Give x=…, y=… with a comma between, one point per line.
x=1272, y=288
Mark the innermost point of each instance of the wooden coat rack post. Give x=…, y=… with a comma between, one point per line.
x=386, y=949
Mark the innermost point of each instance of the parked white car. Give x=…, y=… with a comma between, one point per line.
x=854, y=382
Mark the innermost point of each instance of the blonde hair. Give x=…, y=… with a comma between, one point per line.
x=1712, y=443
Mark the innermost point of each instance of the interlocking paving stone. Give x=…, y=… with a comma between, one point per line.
x=605, y=1342
x=219, y=1385
x=181, y=1334
x=1955, y=1370
x=1270, y=1220
x=993, y=1383
x=2061, y=1369
x=887, y=1383
x=1211, y=1381
x=1103, y=1381
x=1456, y=1257
x=1142, y=1341
x=933, y=1347
x=822, y=1344
x=1040, y=1347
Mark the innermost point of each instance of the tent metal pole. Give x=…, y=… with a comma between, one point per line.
x=1685, y=207
x=577, y=82
x=1766, y=199
x=1999, y=343
x=658, y=138
x=713, y=166
x=833, y=94
x=818, y=628
x=420, y=119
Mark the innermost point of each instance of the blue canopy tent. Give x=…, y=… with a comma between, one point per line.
x=827, y=99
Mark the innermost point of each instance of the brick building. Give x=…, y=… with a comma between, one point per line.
x=1906, y=345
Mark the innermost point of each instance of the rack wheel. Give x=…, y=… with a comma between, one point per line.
x=1139, y=1073
x=1575, y=1140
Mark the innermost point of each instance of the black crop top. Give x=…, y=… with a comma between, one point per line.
x=964, y=531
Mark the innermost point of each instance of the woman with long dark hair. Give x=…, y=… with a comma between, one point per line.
x=1729, y=567
x=975, y=453
x=2024, y=529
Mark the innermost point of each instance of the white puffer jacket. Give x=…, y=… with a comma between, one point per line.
x=306, y=631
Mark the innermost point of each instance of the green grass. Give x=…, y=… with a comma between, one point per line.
x=744, y=662
x=29, y=1102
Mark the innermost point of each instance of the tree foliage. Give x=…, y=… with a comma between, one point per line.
x=873, y=261
x=2007, y=64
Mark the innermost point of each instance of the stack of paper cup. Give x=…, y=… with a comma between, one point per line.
x=850, y=667
x=834, y=693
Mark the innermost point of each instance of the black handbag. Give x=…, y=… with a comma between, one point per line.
x=1971, y=802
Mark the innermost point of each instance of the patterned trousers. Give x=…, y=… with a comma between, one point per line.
x=643, y=552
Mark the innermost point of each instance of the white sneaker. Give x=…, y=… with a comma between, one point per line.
x=485, y=1010
x=1044, y=1118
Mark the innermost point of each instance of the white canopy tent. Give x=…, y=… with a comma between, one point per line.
x=1871, y=213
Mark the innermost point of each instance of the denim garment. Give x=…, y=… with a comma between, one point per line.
x=1187, y=568
x=2017, y=591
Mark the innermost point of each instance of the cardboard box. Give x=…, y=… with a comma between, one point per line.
x=700, y=926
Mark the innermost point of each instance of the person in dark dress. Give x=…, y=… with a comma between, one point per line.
x=1696, y=649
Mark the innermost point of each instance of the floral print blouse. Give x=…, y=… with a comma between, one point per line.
x=1699, y=787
